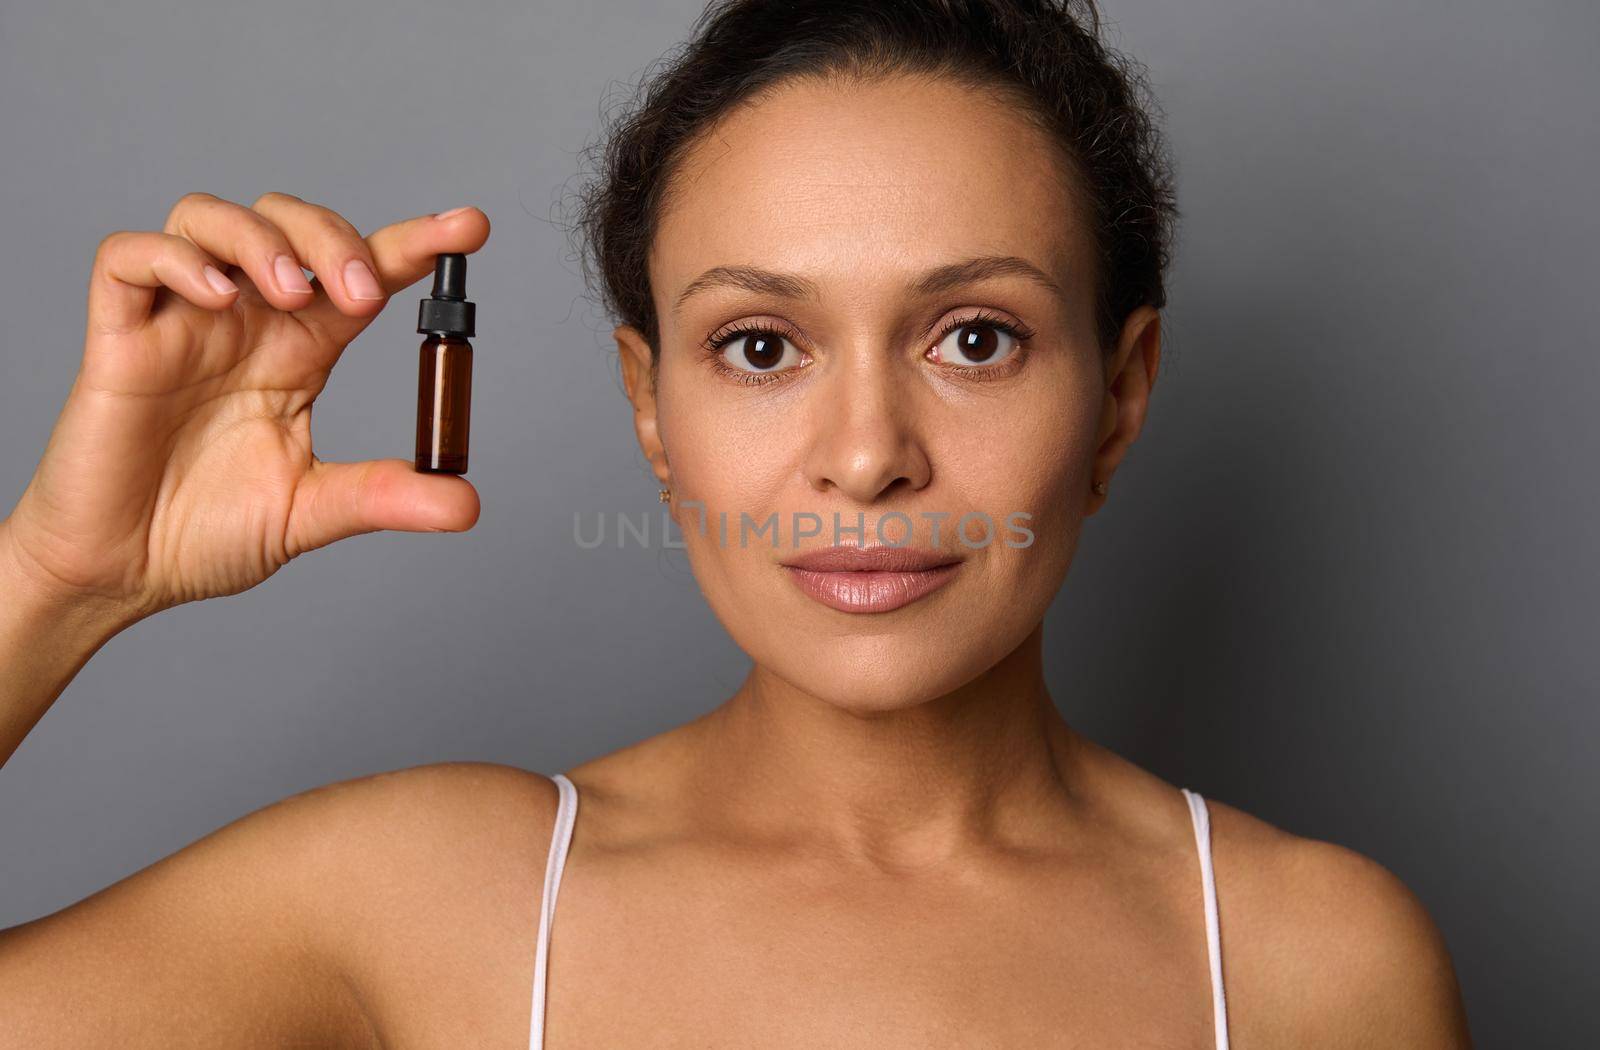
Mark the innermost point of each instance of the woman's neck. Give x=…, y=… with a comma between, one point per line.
x=900, y=789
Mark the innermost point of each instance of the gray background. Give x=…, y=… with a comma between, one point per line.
x=1346, y=581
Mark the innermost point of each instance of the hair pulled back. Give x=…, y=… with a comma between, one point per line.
x=1045, y=55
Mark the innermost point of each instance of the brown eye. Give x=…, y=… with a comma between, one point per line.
x=757, y=351
x=976, y=344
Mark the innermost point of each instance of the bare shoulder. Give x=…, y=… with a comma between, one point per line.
x=408, y=832
x=313, y=920
x=421, y=809
x=1325, y=947
x=440, y=863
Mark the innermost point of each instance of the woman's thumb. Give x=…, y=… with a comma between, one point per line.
x=336, y=500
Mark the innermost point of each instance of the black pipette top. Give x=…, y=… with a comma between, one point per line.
x=447, y=311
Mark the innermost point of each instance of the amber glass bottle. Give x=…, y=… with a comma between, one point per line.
x=444, y=370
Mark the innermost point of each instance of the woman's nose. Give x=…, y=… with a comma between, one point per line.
x=865, y=439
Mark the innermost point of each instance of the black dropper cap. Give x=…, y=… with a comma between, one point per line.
x=447, y=311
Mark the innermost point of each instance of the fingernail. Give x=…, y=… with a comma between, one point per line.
x=453, y=212
x=218, y=282
x=359, y=282
x=290, y=278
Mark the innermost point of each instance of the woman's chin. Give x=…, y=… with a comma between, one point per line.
x=869, y=677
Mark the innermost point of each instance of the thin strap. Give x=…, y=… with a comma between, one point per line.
x=1201, y=818
x=560, y=839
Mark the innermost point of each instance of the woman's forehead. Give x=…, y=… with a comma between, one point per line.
x=860, y=179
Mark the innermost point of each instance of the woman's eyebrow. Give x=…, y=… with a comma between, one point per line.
x=939, y=279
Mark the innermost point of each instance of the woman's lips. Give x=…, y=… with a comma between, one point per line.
x=870, y=590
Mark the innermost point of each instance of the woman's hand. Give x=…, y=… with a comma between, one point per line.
x=181, y=466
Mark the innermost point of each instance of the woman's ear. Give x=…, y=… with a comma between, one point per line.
x=1130, y=375
x=638, y=379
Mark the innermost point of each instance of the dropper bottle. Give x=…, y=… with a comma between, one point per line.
x=444, y=370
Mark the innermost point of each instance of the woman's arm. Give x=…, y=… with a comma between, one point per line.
x=209, y=947
x=181, y=468
x=1325, y=948
x=230, y=942
x=1373, y=969
x=349, y=915
x=45, y=639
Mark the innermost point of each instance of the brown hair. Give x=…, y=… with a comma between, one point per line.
x=1044, y=54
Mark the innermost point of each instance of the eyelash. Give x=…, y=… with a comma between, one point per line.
x=723, y=336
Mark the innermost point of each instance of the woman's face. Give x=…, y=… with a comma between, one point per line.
x=861, y=387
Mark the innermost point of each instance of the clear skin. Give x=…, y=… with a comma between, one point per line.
x=887, y=837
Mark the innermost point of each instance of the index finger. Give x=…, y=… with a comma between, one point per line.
x=403, y=254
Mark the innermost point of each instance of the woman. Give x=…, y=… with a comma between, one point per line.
x=900, y=263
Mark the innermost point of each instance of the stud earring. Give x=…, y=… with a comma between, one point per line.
x=1100, y=488
x=666, y=496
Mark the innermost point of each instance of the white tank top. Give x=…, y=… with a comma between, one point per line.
x=561, y=839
